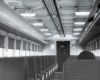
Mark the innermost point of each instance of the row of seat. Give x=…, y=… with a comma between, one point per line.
x=82, y=67
x=27, y=68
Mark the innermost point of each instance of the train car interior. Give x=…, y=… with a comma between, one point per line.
x=49, y=40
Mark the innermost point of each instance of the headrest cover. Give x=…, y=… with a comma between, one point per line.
x=86, y=55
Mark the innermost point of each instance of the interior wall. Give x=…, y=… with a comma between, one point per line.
x=47, y=50
x=75, y=49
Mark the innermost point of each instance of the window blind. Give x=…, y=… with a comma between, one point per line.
x=24, y=45
x=11, y=43
x=2, y=38
x=18, y=44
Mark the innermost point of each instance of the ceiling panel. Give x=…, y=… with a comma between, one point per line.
x=67, y=9
x=58, y=16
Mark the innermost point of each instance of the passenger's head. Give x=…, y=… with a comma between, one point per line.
x=86, y=55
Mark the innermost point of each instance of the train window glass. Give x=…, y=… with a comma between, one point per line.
x=2, y=39
x=18, y=47
x=35, y=52
x=41, y=50
x=38, y=50
x=92, y=46
x=32, y=50
x=1, y=52
x=10, y=47
x=96, y=48
x=24, y=49
x=28, y=49
x=97, y=43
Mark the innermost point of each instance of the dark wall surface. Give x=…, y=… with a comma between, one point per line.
x=63, y=52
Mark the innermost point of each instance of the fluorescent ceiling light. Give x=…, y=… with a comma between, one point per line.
x=27, y=14
x=37, y=24
x=69, y=36
x=76, y=33
x=82, y=13
x=79, y=23
x=56, y=36
x=13, y=1
x=77, y=29
x=48, y=34
x=43, y=29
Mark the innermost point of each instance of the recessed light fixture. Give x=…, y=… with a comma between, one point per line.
x=12, y=1
x=76, y=33
x=82, y=13
x=56, y=36
x=69, y=36
x=43, y=29
x=27, y=14
x=47, y=34
x=79, y=23
x=77, y=29
x=38, y=24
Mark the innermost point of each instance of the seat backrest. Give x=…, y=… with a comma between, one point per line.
x=12, y=69
x=72, y=57
x=31, y=68
x=81, y=70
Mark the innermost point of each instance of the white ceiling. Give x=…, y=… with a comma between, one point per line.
x=58, y=16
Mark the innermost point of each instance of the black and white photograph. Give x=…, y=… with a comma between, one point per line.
x=49, y=40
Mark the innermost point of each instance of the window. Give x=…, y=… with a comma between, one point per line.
x=18, y=47
x=2, y=39
x=24, y=49
x=10, y=47
x=32, y=52
x=35, y=50
x=28, y=49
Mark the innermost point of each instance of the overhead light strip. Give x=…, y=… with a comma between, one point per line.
x=47, y=34
x=43, y=29
x=79, y=23
x=77, y=29
x=82, y=13
x=57, y=36
x=38, y=24
x=76, y=33
x=27, y=14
